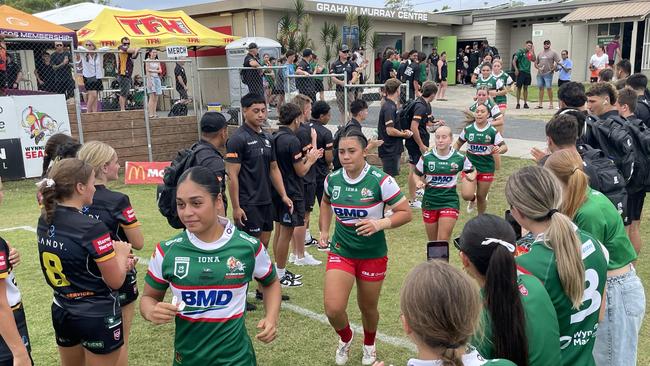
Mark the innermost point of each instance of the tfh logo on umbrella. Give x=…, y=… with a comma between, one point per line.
x=148, y=25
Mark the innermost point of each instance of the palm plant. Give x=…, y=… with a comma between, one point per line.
x=293, y=29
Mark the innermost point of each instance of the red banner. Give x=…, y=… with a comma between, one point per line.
x=143, y=172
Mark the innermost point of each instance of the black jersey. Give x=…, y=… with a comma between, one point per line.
x=254, y=152
x=69, y=250
x=324, y=140
x=288, y=152
x=388, y=118
x=114, y=210
x=423, y=114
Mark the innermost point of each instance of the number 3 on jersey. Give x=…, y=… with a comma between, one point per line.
x=54, y=270
x=591, y=294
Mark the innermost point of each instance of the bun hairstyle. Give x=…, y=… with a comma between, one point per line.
x=61, y=183
x=487, y=241
x=97, y=154
x=58, y=146
x=537, y=195
x=442, y=306
x=567, y=166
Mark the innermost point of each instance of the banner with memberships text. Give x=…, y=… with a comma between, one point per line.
x=144, y=172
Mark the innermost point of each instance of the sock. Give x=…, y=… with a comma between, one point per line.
x=345, y=333
x=281, y=272
x=307, y=236
x=369, y=338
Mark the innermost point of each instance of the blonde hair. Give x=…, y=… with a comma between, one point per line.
x=441, y=304
x=301, y=100
x=97, y=154
x=567, y=166
x=537, y=195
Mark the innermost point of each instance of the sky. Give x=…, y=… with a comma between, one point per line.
x=420, y=5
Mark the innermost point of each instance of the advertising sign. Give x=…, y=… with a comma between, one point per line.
x=38, y=118
x=8, y=127
x=144, y=172
x=176, y=51
x=11, y=161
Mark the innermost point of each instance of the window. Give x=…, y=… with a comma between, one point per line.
x=645, y=54
x=606, y=32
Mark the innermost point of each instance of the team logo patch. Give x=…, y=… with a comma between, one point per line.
x=236, y=268
x=366, y=193
x=471, y=136
x=129, y=214
x=51, y=231
x=523, y=290
x=336, y=193
x=454, y=167
x=103, y=244
x=431, y=165
x=488, y=138
x=181, y=267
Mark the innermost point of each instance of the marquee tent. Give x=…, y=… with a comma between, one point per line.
x=150, y=28
x=15, y=24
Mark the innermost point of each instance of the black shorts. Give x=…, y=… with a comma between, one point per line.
x=319, y=85
x=310, y=196
x=562, y=82
x=182, y=93
x=258, y=219
x=129, y=291
x=320, y=189
x=391, y=164
x=99, y=335
x=635, y=205
x=611, y=62
x=6, y=358
x=414, y=154
x=93, y=84
x=290, y=219
x=523, y=79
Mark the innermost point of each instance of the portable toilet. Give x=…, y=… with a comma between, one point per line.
x=236, y=51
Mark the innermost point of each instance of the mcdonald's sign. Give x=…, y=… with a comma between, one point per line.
x=143, y=172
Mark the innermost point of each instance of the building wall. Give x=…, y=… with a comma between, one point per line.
x=478, y=30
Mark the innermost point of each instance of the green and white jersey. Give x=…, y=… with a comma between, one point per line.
x=481, y=142
x=492, y=108
x=353, y=200
x=470, y=358
x=502, y=81
x=541, y=325
x=577, y=327
x=490, y=82
x=598, y=216
x=441, y=176
x=212, y=279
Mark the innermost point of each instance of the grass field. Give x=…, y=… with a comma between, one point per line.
x=302, y=340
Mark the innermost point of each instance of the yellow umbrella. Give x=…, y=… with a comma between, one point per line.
x=150, y=28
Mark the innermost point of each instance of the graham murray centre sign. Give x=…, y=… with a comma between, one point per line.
x=330, y=8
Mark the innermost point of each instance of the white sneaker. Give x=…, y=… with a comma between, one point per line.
x=292, y=258
x=415, y=204
x=471, y=206
x=307, y=260
x=343, y=351
x=369, y=355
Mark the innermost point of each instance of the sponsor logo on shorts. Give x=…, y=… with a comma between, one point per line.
x=181, y=267
x=103, y=244
x=117, y=334
x=93, y=344
x=129, y=214
x=373, y=274
x=3, y=262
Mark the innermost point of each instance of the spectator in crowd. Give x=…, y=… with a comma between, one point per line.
x=253, y=78
x=565, y=66
x=63, y=82
x=44, y=73
x=378, y=64
x=93, y=72
x=597, y=62
x=412, y=75
x=474, y=57
x=441, y=76
x=432, y=64
x=521, y=62
x=613, y=50
x=306, y=85
x=318, y=80
x=14, y=73
x=639, y=82
x=605, y=75
x=343, y=65
x=125, y=69
x=387, y=70
x=623, y=71
x=3, y=65
x=546, y=63
x=181, y=81
x=389, y=130
x=280, y=77
x=154, y=84
x=486, y=49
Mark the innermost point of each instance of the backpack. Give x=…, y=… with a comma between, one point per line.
x=641, y=135
x=405, y=114
x=166, y=192
x=643, y=103
x=613, y=138
x=178, y=109
x=604, y=176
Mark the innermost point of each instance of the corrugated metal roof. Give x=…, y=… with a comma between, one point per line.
x=638, y=10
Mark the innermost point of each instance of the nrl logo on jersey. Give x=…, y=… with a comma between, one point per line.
x=181, y=267
x=431, y=165
x=336, y=193
x=471, y=136
x=236, y=268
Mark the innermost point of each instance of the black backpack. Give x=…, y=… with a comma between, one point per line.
x=405, y=114
x=641, y=135
x=178, y=109
x=612, y=136
x=604, y=176
x=166, y=192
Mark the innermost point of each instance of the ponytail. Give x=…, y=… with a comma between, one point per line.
x=452, y=357
x=564, y=241
x=61, y=183
x=567, y=166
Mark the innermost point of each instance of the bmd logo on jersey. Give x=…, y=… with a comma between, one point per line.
x=442, y=179
x=350, y=213
x=478, y=148
x=181, y=267
x=207, y=298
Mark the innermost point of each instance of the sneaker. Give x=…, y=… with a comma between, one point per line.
x=526, y=106
x=343, y=351
x=295, y=276
x=250, y=307
x=324, y=249
x=369, y=355
x=287, y=281
x=312, y=242
x=292, y=258
x=415, y=204
x=471, y=206
x=260, y=296
x=517, y=106
x=307, y=260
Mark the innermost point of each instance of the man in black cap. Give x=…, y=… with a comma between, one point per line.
x=253, y=78
x=214, y=133
x=344, y=65
x=307, y=85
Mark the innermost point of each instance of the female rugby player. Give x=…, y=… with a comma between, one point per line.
x=571, y=264
x=438, y=171
x=504, y=84
x=84, y=267
x=358, y=195
x=115, y=211
x=618, y=332
x=208, y=268
x=484, y=142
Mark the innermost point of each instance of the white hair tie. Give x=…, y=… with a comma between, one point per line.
x=488, y=241
x=45, y=182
